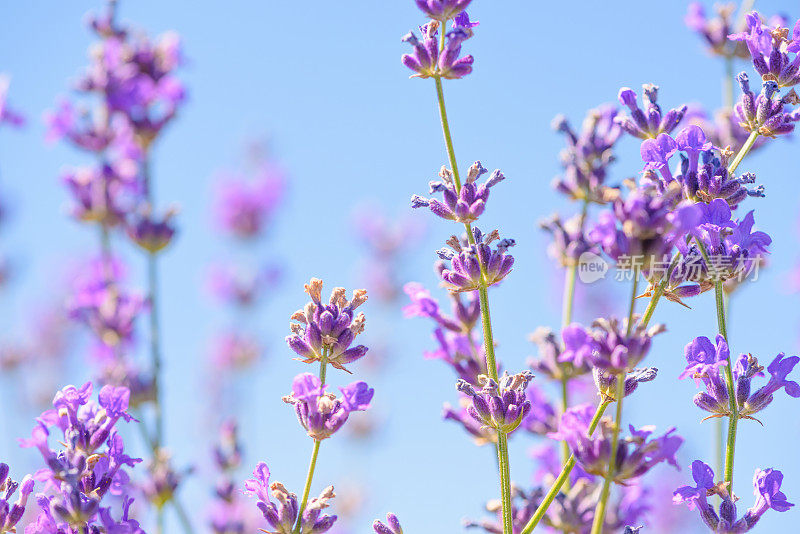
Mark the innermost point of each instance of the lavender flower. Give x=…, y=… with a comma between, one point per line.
x=427, y=62
x=8, y=115
x=162, y=480
x=324, y=332
x=151, y=233
x=466, y=205
x=465, y=306
x=650, y=122
x=615, y=351
x=636, y=454
x=765, y=113
x=442, y=10
x=244, y=208
x=472, y=265
x=502, y=405
x=704, y=362
x=767, y=484
x=281, y=515
x=99, y=195
x=703, y=172
x=392, y=525
x=733, y=250
x=588, y=155
x=565, y=359
x=570, y=240
x=770, y=49
x=12, y=512
x=606, y=382
x=320, y=413
x=235, y=350
x=481, y=434
x=715, y=31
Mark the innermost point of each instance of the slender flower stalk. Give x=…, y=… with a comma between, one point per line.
x=600, y=510
x=751, y=140
x=564, y=475
x=491, y=364
x=312, y=464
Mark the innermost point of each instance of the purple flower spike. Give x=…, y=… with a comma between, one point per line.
x=320, y=413
x=11, y=512
x=703, y=358
x=779, y=369
x=282, y=514
x=714, y=31
x=392, y=525
x=327, y=331
x=765, y=113
x=474, y=265
x=427, y=62
x=442, y=10
x=607, y=382
x=770, y=50
x=466, y=205
x=570, y=240
x=656, y=152
x=650, y=122
x=563, y=360
x=151, y=233
x=501, y=406
x=617, y=352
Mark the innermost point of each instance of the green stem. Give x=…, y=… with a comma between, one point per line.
x=565, y=452
x=751, y=140
x=563, y=476
x=600, y=510
x=312, y=465
x=727, y=84
x=733, y=418
x=448, y=140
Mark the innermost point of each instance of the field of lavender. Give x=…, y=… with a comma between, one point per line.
x=604, y=344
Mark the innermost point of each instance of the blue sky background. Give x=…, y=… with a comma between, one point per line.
x=325, y=84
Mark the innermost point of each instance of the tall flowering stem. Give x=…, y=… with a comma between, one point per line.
x=483, y=294
x=312, y=464
x=563, y=476
x=751, y=140
x=600, y=510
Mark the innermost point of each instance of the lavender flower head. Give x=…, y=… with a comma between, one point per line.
x=281, y=515
x=588, y=155
x=636, y=453
x=615, y=351
x=714, y=31
x=12, y=512
x=650, y=122
x=442, y=10
x=501, y=406
x=244, y=208
x=766, y=483
x=426, y=60
x=703, y=173
x=392, y=525
x=770, y=49
x=460, y=414
x=466, y=205
x=324, y=332
x=8, y=115
x=151, y=233
x=566, y=358
x=765, y=113
x=474, y=265
x=570, y=240
x=320, y=413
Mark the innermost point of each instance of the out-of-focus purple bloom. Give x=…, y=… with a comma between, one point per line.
x=442, y=10
x=767, y=484
x=324, y=332
x=281, y=515
x=320, y=413
x=235, y=350
x=462, y=352
x=244, y=208
x=107, y=310
x=588, y=155
x=542, y=418
x=570, y=240
x=427, y=62
x=466, y=308
x=239, y=286
x=473, y=265
x=464, y=206
x=614, y=350
x=723, y=129
x=392, y=525
x=502, y=405
x=151, y=233
x=162, y=480
x=636, y=454
x=770, y=48
x=566, y=358
x=99, y=194
x=8, y=115
x=765, y=113
x=650, y=122
x=715, y=31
